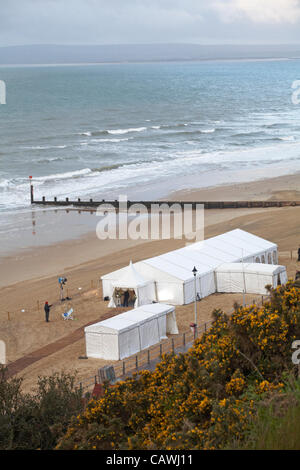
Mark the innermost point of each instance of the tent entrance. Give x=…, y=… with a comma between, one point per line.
x=131, y=289
x=124, y=297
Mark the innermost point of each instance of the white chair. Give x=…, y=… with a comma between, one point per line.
x=68, y=315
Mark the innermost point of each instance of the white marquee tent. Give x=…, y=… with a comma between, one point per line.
x=249, y=277
x=172, y=272
x=130, y=279
x=130, y=332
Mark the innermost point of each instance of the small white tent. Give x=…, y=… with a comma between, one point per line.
x=130, y=279
x=249, y=277
x=130, y=332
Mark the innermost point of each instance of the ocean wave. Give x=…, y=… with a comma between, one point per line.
x=62, y=176
x=289, y=138
x=118, y=131
x=107, y=168
x=110, y=140
x=275, y=125
x=122, y=175
x=175, y=127
x=184, y=125
x=45, y=147
x=276, y=138
x=170, y=126
x=126, y=131
x=179, y=133
x=5, y=184
x=210, y=122
x=50, y=160
x=248, y=133
x=99, y=141
x=207, y=131
x=88, y=133
x=85, y=172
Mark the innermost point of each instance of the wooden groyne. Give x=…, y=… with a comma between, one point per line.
x=148, y=204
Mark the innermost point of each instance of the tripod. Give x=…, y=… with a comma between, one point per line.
x=62, y=292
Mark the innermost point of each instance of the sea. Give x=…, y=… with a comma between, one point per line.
x=144, y=129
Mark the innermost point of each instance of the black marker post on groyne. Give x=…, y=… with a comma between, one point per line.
x=207, y=204
x=31, y=190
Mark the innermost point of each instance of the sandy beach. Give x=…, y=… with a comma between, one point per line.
x=283, y=188
x=29, y=277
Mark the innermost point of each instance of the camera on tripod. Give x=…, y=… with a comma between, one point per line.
x=62, y=280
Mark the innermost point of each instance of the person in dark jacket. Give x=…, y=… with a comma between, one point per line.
x=299, y=253
x=47, y=311
x=126, y=298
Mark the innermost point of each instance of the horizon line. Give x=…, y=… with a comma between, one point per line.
x=155, y=44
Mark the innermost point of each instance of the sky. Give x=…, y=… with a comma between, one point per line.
x=149, y=21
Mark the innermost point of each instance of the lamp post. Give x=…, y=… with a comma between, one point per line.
x=195, y=287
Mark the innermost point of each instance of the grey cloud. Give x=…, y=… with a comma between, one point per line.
x=133, y=21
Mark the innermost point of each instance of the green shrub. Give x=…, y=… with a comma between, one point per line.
x=37, y=420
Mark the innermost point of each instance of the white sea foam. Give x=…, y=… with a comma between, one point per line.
x=135, y=174
x=88, y=133
x=110, y=140
x=45, y=147
x=99, y=141
x=207, y=131
x=289, y=138
x=126, y=131
x=5, y=183
x=49, y=160
x=63, y=176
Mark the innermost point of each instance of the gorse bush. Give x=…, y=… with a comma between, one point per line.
x=206, y=398
x=37, y=420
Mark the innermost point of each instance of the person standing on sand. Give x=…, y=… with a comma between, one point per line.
x=299, y=253
x=47, y=311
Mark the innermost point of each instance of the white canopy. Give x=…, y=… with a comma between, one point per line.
x=172, y=272
x=130, y=332
x=130, y=279
x=249, y=277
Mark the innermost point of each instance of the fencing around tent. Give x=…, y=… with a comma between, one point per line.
x=249, y=277
x=172, y=272
x=130, y=332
